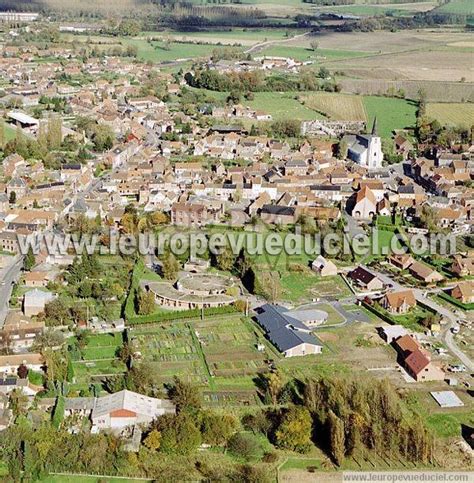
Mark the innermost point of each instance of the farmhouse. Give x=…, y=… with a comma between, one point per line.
x=34, y=301
x=288, y=334
x=10, y=363
x=401, y=261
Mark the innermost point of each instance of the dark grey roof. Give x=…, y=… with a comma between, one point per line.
x=278, y=210
x=284, y=331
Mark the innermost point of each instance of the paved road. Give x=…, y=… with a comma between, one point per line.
x=8, y=275
x=452, y=318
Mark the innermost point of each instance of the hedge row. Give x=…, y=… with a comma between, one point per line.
x=179, y=315
x=456, y=302
x=381, y=315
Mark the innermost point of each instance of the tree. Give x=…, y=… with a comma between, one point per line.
x=22, y=371
x=226, y=259
x=429, y=218
x=179, y=434
x=295, y=429
x=12, y=198
x=141, y=378
x=336, y=438
x=146, y=302
x=153, y=440
x=216, y=429
x=29, y=262
x=314, y=45
x=170, y=266
x=342, y=149
x=272, y=385
x=18, y=402
x=245, y=445
x=56, y=312
x=2, y=133
x=58, y=412
x=185, y=396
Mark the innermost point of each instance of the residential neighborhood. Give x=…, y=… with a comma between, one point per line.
x=227, y=256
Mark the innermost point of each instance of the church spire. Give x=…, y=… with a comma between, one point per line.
x=374, y=127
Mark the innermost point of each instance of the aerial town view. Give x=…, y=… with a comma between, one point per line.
x=236, y=241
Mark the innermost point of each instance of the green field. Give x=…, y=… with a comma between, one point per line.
x=87, y=479
x=453, y=114
x=461, y=7
x=10, y=132
x=301, y=287
x=392, y=114
x=304, y=54
x=336, y=106
x=219, y=354
x=97, y=360
x=169, y=52
x=281, y=105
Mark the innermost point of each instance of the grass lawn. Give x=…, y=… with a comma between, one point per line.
x=334, y=317
x=300, y=464
x=301, y=287
x=411, y=319
x=445, y=423
x=10, y=132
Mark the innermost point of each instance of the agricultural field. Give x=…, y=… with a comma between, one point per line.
x=219, y=354
x=336, y=106
x=461, y=7
x=455, y=114
x=308, y=54
x=394, y=9
x=168, y=51
x=282, y=105
x=391, y=113
x=229, y=347
x=230, y=36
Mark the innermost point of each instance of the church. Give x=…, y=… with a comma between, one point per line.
x=365, y=149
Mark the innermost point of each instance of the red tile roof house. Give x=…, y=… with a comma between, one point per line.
x=399, y=302
x=417, y=361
